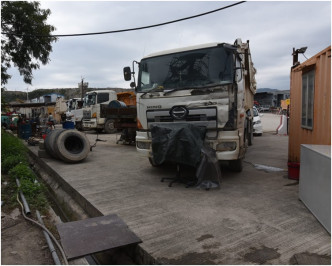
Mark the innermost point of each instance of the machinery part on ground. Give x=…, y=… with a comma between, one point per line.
x=70, y=145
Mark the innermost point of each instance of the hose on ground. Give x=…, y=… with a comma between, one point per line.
x=46, y=230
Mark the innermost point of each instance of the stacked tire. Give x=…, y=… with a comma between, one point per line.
x=68, y=145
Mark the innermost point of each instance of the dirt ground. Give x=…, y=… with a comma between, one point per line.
x=22, y=243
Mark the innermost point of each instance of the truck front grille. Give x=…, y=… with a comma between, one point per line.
x=202, y=117
x=86, y=114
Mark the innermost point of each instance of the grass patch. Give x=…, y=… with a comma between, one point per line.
x=14, y=159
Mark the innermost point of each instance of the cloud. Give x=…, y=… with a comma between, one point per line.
x=273, y=29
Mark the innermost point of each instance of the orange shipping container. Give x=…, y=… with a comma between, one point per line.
x=310, y=105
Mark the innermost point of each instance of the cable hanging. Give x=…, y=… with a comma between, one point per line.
x=131, y=29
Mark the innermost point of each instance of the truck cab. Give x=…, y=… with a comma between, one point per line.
x=75, y=112
x=210, y=85
x=92, y=110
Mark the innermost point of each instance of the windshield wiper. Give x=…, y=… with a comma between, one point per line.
x=152, y=90
x=194, y=87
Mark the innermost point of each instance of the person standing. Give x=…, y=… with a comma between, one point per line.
x=50, y=120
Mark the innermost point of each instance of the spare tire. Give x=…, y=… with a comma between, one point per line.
x=50, y=140
x=71, y=146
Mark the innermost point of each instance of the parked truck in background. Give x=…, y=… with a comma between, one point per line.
x=211, y=85
x=75, y=112
x=70, y=110
x=106, y=110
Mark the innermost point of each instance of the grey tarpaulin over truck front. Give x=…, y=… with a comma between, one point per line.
x=182, y=143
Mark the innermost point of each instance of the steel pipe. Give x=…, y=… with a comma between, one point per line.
x=49, y=241
x=24, y=201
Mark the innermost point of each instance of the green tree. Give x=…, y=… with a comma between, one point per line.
x=22, y=24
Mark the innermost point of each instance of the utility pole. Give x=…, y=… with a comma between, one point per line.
x=82, y=95
x=83, y=85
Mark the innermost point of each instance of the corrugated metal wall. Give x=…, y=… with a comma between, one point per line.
x=321, y=131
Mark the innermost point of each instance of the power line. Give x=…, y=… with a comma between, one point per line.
x=131, y=29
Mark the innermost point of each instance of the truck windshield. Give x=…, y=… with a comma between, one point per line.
x=189, y=69
x=90, y=99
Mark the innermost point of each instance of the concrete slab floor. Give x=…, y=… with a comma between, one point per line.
x=254, y=218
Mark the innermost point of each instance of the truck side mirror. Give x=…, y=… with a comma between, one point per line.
x=127, y=73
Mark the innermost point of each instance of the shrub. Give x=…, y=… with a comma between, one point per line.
x=11, y=161
x=10, y=145
x=15, y=162
x=34, y=193
x=22, y=171
x=30, y=188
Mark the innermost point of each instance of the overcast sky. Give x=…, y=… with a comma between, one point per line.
x=273, y=29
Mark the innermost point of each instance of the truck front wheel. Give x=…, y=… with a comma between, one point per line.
x=236, y=165
x=152, y=162
x=79, y=126
x=109, y=126
x=250, y=134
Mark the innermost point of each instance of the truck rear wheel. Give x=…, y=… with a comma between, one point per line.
x=109, y=126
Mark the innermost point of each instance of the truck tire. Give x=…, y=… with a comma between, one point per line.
x=250, y=133
x=236, y=165
x=50, y=141
x=79, y=125
x=109, y=126
x=72, y=146
x=152, y=162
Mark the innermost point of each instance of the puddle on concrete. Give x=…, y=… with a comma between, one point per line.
x=307, y=258
x=261, y=255
x=268, y=168
x=192, y=258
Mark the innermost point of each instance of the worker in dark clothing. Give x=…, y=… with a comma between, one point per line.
x=50, y=120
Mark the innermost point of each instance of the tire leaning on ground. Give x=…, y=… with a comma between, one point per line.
x=50, y=140
x=71, y=146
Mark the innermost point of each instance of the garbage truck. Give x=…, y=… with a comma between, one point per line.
x=109, y=111
x=75, y=112
x=70, y=110
x=210, y=85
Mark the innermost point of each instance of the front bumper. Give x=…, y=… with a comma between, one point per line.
x=89, y=123
x=143, y=144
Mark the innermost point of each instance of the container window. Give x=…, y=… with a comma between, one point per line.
x=308, y=85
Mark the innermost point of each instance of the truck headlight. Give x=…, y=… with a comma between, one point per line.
x=226, y=146
x=143, y=145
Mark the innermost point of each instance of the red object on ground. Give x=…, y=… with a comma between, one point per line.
x=294, y=170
